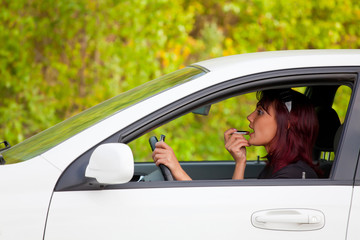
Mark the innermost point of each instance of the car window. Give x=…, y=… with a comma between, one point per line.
x=196, y=138
x=341, y=101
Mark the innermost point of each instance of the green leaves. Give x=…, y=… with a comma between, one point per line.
x=60, y=57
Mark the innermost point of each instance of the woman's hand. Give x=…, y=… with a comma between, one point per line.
x=164, y=154
x=235, y=144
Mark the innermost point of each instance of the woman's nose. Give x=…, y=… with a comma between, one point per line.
x=250, y=117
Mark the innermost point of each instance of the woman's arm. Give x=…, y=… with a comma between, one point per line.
x=235, y=144
x=164, y=154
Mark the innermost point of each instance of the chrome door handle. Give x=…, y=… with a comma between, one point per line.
x=288, y=219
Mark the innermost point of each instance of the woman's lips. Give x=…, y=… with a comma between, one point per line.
x=251, y=133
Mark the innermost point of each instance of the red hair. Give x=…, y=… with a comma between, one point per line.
x=297, y=129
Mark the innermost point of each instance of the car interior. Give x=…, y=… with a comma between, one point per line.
x=194, y=131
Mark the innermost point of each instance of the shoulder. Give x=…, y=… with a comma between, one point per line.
x=296, y=170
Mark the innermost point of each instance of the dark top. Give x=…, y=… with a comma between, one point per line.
x=294, y=170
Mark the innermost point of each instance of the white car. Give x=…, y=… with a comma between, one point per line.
x=84, y=178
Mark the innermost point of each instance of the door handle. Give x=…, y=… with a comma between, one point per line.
x=300, y=219
x=288, y=219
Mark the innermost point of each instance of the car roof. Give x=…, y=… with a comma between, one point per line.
x=249, y=63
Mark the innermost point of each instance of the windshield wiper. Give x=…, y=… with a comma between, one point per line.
x=6, y=146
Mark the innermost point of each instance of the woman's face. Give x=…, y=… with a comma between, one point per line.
x=264, y=125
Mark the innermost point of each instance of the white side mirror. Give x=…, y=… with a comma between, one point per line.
x=111, y=163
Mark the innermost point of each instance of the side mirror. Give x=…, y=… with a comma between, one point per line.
x=111, y=163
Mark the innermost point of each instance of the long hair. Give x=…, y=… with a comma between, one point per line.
x=297, y=127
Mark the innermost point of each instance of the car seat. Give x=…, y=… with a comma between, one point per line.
x=329, y=123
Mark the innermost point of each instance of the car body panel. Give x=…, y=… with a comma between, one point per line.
x=353, y=232
x=192, y=213
x=246, y=64
x=26, y=190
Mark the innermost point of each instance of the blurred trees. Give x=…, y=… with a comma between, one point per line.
x=60, y=57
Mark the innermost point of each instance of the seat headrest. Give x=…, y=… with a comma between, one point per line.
x=329, y=122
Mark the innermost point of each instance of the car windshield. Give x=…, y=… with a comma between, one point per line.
x=49, y=138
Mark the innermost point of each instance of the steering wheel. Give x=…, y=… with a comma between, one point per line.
x=165, y=171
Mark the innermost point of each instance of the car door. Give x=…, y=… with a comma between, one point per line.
x=215, y=209
x=353, y=229
x=203, y=210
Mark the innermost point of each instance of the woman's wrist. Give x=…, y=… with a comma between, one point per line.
x=181, y=175
x=239, y=170
x=240, y=160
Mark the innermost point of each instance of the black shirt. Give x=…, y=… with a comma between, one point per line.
x=294, y=170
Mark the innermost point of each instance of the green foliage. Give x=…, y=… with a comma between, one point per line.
x=60, y=57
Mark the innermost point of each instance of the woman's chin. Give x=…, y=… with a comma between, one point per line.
x=253, y=142
x=251, y=139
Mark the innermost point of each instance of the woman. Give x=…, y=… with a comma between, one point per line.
x=284, y=122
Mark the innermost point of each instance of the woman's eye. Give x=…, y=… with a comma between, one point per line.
x=260, y=112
